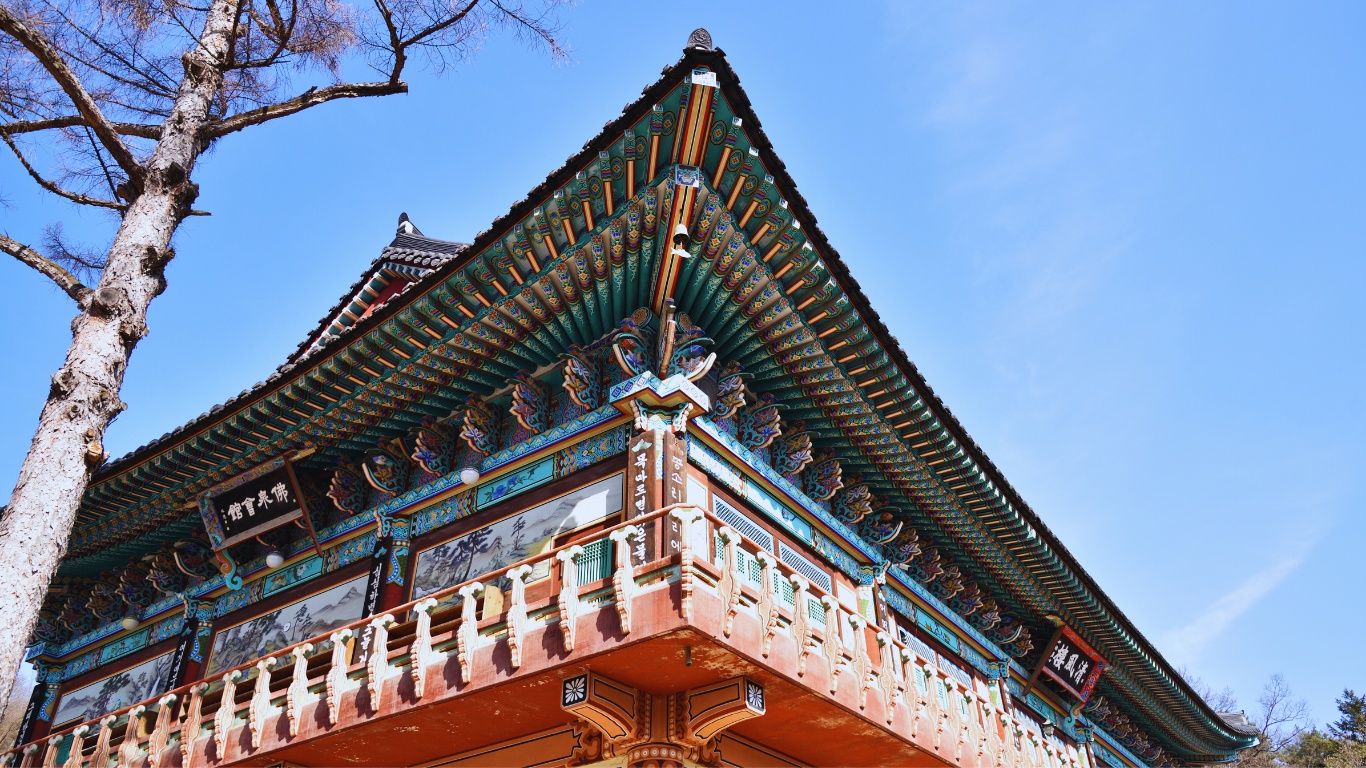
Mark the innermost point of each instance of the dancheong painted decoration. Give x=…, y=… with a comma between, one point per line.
x=636, y=477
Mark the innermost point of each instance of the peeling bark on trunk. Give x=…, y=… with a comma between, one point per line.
x=68, y=444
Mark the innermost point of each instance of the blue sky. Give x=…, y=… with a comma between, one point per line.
x=1125, y=244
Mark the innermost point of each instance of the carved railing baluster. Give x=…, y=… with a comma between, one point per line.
x=161, y=731
x=296, y=696
x=945, y=709
x=729, y=585
x=337, y=680
x=226, y=716
x=687, y=518
x=516, y=622
x=420, y=654
x=833, y=645
x=956, y=699
x=801, y=620
x=972, y=734
x=624, y=578
x=467, y=637
x=863, y=665
x=768, y=602
x=54, y=745
x=569, y=594
x=189, y=727
x=259, y=708
x=74, y=758
x=100, y=757
x=910, y=671
x=132, y=734
x=377, y=666
x=887, y=674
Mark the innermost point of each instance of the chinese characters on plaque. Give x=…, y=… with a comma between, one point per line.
x=252, y=503
x=1073, y=663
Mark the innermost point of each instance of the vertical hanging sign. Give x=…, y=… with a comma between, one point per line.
x=642, y=480
x=675, y=485
x=374, y=584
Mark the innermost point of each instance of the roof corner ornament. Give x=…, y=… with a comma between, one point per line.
x=700, y=39
x=406, y=226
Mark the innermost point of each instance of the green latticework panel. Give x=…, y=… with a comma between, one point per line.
x=596, y=561
x=783, y=588
x=816, y=611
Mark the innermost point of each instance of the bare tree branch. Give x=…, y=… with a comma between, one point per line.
x=310, y=98
x=454, y=18
x=52, y=187
x=18, y=127
x=84, y=262
x=54, y=271
x=51, y=60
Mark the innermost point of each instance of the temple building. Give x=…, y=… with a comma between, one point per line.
x=635, y=478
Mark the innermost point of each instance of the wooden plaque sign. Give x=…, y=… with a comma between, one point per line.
x=256, y=501
x=1072, y=663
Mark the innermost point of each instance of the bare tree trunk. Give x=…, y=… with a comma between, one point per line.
x=68, y=444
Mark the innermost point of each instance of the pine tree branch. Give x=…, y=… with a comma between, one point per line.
x=18, y=127
x=310, y=98
x=52, y=187
x=54, y=271
x=51, y=60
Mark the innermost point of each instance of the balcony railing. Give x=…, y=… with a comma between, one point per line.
x=942, y=714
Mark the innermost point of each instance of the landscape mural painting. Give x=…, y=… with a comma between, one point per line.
x=286, y=626
x=515, y=538
x=115, y=692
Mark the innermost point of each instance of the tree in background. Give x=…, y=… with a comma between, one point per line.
x=1351, y=723
x=1286, y=738
x=110, y=104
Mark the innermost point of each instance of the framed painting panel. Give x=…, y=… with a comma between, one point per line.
x=516, y=537
x=117, y=691
x=313, y=615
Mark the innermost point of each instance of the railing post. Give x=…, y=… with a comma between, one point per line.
x=569, y=594
x=516, y=621
x=887, y=674
x=863, y=665
x=801, y=620
x=74, y=758
x=687, y=518
x=161, y=732
x=624, y=579
x=337, y=680
x=259, y=707
x=421, y=655
x=377, y=666
x=729, y=586
x=297, y=694
x=100, y=757
x=768, y=602
x=833, y=644
x=467, y=637
x=132, y=735
x=189, y=729
x=224, y=718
